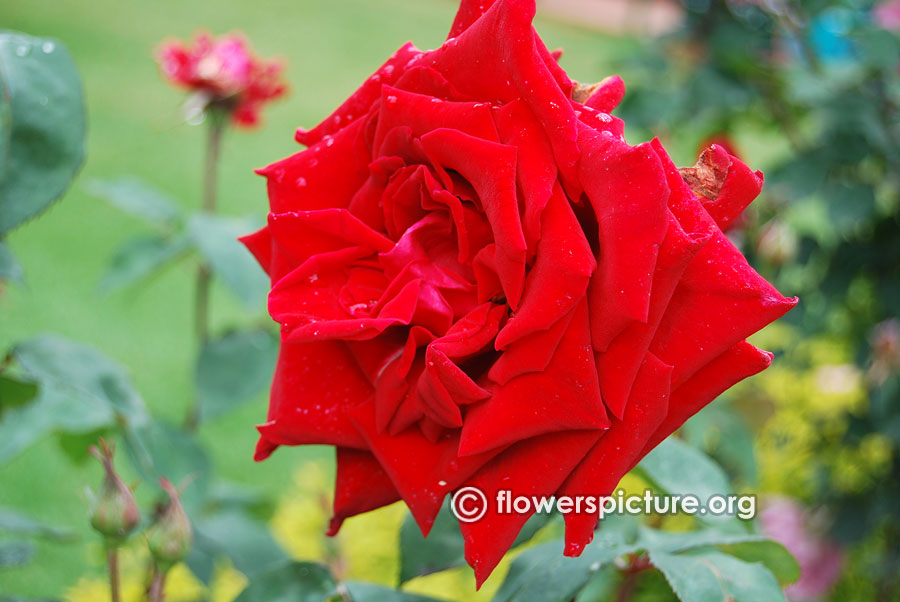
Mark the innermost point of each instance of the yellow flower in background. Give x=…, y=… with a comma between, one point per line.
x=812, y=390
x=366, y=548
x=227, y=583
x=181, y=584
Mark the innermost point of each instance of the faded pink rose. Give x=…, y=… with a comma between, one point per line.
x=225, y=70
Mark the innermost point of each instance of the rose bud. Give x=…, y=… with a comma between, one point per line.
x=170, y=536
x=481, y=284
x=115, y=512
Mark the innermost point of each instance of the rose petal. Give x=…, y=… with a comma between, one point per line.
x=729, y=368
x=536, y=467
x=608, y=94
x=720, y=301
x=491, y=169
x=724, y=184
x=499, y=57
x=361, y=485
x=564, y=396
x=326, y=175
x=531, y=353
x=627, y=189
x=615, y=452
x=423, y=472
x=422, y=114
x=305, y=406
x=618, y=366
x=559, y=278
x=535, y=165
x=260, y=245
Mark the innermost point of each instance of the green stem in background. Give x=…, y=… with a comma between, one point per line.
x=217, y=121
x=627, y=587
x=112, y=562
x=157, y=585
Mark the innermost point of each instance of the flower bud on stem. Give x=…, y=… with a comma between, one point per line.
x=114, y=514
x=169, y=539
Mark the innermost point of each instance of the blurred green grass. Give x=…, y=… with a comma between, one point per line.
x=134, y=128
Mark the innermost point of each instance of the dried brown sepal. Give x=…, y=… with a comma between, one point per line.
x=581, y=92
x=707, y=176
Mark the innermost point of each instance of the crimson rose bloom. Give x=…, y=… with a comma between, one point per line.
x=225, y=72
x=479, y=283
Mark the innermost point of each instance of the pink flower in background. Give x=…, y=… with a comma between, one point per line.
x=798, y=530
x=887, y=15
x=223, y=71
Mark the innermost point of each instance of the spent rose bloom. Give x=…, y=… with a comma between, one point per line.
x=479, y=283
x=225, y=72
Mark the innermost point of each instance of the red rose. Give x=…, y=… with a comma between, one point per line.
x=224, y=71
x=480, y=283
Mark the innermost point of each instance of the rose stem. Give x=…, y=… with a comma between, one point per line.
x=157, y=585
x=217, y=120
x=112, y=561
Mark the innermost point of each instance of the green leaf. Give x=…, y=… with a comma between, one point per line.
x=723, y=433
x=139, y=258
x=677, y=468
x=542, y=574
x=369, y=592
x=80, y=390
x=12, y=521
x=74, y=445
x=44, y=140
x=10, y=269
x=215, y=237
x=850, y=206
x=233, y=368
x=137, y=198
x=158, y=449
x=245, y=541
x=15, y=392
x=444, y=546
x=711, y=576
x=293, y=582
x=679, y=541
x=771, y=554
x=15, y=554
x=441, y=550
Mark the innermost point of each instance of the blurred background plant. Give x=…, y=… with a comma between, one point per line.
x=807, y=91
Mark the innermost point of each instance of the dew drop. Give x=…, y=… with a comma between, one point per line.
x=48, y=47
